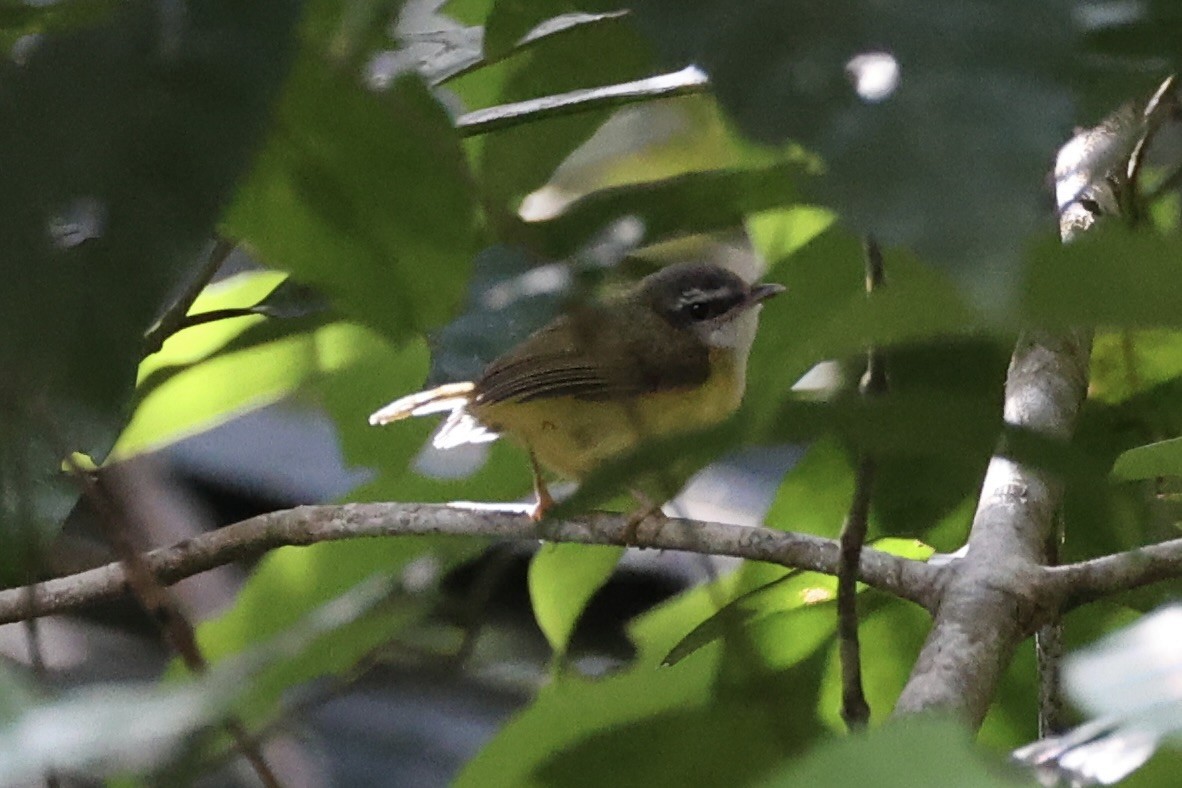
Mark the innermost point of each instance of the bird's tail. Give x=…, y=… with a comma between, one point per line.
x=442, y=399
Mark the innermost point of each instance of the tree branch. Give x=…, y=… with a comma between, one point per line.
x=992, y=597
x=306, y=525
x=855, y=710
x=1078, y=584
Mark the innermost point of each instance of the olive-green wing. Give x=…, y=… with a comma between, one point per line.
x=589, y=357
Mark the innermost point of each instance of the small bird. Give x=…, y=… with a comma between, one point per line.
x=667, y=356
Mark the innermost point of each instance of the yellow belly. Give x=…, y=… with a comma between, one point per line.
x=572, y=436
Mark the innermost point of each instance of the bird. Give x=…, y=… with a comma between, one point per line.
x=668, y=355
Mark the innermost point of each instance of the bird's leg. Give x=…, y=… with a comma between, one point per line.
x=647, y=509
x=545, y=501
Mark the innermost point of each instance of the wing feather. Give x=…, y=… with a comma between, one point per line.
x=582, y=356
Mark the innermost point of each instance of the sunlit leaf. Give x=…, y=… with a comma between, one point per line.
x=562, y=580
x=1163, y=458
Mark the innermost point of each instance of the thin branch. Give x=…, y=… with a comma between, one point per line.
x=1087, y=581
x=113, y=510
x=174, y=317
x=854, y=708
x=855, y=711
x=1049, y=651
x=1163, y=103
x=689, y=80
x=306, y=525
x=37, y=662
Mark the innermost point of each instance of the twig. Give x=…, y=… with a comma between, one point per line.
x=156, y=601
x=1048, y=651
x=854, y=708
x=37, y=659
x=1156, y=110
x=306, y=525
x=173, y=318
x=688, y=81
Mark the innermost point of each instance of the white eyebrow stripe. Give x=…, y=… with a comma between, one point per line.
x=696, y=296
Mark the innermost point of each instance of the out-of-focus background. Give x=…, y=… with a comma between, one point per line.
x=232, y=231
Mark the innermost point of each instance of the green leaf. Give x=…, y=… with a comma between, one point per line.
x=562, y=580
x=780, y=69
x=104, y=730
x=1110, y=276
x=694, y=202
x=573, y=719
x=795, y=589
x=515, y=161
x=359, y=193
x=1125, y=363
x=825, y=314
x=913, y=752
x=198, y=379
x=509, y=21
x=124, y=137
x=725, y=743
x=1163, y=458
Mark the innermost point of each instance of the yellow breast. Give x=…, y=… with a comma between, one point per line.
x=571, y=436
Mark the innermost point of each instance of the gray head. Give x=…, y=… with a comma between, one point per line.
x=708, y=300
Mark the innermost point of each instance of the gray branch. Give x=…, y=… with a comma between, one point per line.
x=995, y=596
x=308, y=525
x=1078, y=584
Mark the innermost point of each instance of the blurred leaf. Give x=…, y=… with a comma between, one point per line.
x=124, y=134
x=515, y=161
x=1104, y=514
x=1163, y=458
x=1110, y=276
x=104, y=729
x=509, y=21
x=1125, y=363
x=720, y=744
x=577, y=717
x=912, y=752
x=825, y=314
x=695, y=202
x=199, y=378
x=562, y=580
x=795, y=589
x=782, y=70
x=231, y=383
x=781, y=232
x=1150, y=29
x=289, y=300
x=358, y=193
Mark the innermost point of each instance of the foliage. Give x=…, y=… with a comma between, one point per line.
x=329, y=141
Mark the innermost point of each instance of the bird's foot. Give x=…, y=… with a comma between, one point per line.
x=647, y=510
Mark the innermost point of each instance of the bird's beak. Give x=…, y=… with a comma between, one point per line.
x=763, y=291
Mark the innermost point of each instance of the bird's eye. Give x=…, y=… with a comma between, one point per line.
x=698, y=310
